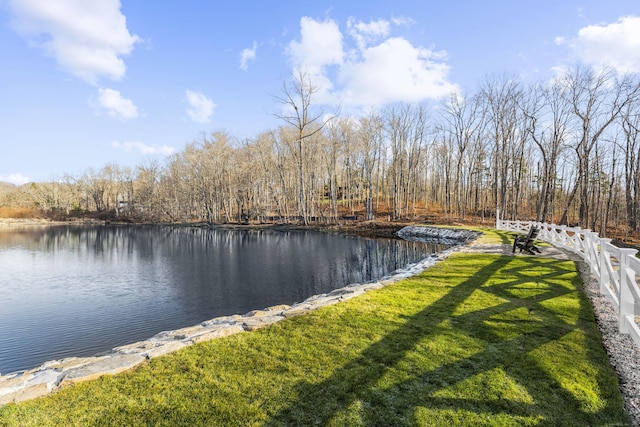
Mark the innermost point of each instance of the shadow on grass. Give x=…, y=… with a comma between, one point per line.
x=506, y=237
x=528, y=355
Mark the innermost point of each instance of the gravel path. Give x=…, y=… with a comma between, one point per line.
x=624, y=355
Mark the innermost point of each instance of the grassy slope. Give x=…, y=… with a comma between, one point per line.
x=475, y=340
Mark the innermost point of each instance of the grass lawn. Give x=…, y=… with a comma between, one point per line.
x=475, y=340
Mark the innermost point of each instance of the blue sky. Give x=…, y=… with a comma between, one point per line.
x=84, y=83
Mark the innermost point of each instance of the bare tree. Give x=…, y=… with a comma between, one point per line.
x=547, y=113
x=597, y=98
x=501, y=111
x=296, y=99
x=370, y=135
x=464, y=124
x=631, y=144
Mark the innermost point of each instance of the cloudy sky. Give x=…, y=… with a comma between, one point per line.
x=84, y=83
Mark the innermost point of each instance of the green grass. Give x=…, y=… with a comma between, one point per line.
x=475, y=340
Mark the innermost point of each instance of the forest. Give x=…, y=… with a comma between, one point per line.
x=565, y=151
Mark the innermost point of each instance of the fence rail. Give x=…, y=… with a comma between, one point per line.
x=617, y=269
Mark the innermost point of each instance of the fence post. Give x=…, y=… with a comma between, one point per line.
x=584, y=243
x=604, y=278
x=626, y=297
x=591, y=240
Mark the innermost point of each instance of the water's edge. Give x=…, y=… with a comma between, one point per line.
x=29, y=384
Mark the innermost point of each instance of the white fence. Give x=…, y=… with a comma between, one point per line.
x=617, y=269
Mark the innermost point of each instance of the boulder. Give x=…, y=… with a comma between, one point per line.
x=150, y=348
x=258, y=322
x=108, y=365
x=218, y=332
x=26, y=393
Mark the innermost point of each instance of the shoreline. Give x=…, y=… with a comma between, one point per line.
x=373, y=229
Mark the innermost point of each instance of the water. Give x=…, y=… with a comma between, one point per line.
x=81, y=290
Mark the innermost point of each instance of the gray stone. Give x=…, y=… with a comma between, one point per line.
x=108, y=365
x=449, y=236
x=254, y=323
x=224, y=319
x=26, y=393
x=66, y=364
x=297, y=310
x=164, y=348
x=351, y=295
x=150, y=348
x=219, y=332
x=341, y=292
x=280, y=307
x=324, y=300
x=48, y=376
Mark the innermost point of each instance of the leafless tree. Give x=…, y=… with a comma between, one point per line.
x=298, y=112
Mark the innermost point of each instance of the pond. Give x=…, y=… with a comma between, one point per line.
x=82, y=290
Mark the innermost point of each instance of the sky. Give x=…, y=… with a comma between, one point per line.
x=86, y=83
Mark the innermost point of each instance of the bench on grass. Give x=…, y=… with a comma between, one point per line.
x=527, y=242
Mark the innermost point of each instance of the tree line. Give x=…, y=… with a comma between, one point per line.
x=565, y=151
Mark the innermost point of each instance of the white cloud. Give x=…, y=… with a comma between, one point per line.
x=615, y=45
x=15, y=178
x=376, y=70
x=86, y=38
x=395, y=71
x=200, y=107
x=116, y=106
x=402, y=21
x=248, y=55
x=320, y=44
x=364, y=33
x=143, y=148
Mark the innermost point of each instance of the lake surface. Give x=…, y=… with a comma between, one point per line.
x=81, y=290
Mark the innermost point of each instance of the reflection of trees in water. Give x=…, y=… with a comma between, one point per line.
x=304, y=256
x=344, y=259
x=215, y=271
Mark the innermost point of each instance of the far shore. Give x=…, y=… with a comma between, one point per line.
x=359, y=228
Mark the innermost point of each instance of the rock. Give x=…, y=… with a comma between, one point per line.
x=297, y=310
x=48, y=376
x=219, y=332
x=447, y=236
x=9, y=386
x=324, y=300
x=108, y=365
x=257, y=313
x=179, y=334
x=280, y=307
x=346, y=297
x=25, y=394
x=67, y=363
x=254, y=323
x=341, y=292
x=164, y=348
x=150, y=348
x=224, y=319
